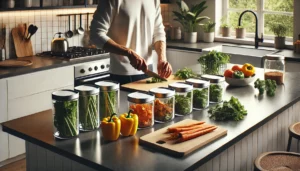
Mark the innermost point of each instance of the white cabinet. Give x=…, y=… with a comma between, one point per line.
x=3, y=118
x=292, y=66
x=3, y=145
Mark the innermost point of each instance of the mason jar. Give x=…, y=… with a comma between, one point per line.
x=274, y=66
x=163, y=104
x=142, y=104
x=216, y=88
x=200, y=93
x=88, y=107
x=183, y=98
x=109, y=96
x=65, y=109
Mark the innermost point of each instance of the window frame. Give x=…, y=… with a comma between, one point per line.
x=260, y=12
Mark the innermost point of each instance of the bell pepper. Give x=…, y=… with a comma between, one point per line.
x=129, y=123
x=228, y=73
x=248, y=70
x=110, y=127
x=238, y=74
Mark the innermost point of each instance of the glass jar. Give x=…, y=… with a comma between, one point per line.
x=88, y=107
x=183, y=98
x=163, y=104
x=65, y=108
x=108, y=98
x=200, y=93
x=274, y=66
x=143, y=105
x=216, y=88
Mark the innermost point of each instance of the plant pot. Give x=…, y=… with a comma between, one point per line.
x=240, y=33
x=209, y=37
x=190, y=37
x=279, y=42
x=225, y=31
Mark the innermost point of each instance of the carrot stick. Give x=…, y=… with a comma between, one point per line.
x=186, y=137
x=174, y=129
x=190, y=131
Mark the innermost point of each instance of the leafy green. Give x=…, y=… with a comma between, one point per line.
x=270, y=87
x=183, y=104
x=185, y=73
x=213, y=62
x=260, y=85
x=154, y=80
x=200, y=98
x=88, y=112
x=215, y=93
x=230, y=110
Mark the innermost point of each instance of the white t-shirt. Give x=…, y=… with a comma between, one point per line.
x=135, y=24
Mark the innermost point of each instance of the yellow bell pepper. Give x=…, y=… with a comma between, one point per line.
x=129, y=123
x=111, y=127
x=248, y=70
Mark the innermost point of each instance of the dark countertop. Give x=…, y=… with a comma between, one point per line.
x=126, y=154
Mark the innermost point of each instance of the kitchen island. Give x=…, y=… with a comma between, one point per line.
x=265, y=128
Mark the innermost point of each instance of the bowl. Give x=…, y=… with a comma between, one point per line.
x=239, y=82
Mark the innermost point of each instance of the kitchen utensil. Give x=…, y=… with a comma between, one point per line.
x=15, y=63
x=75, y=25
x=29, y=30
x=158, y=140
x=59, y=44
x=80, y=30
x=32, y=32
x=23, y=48
x=153, y=74
x=69, y=33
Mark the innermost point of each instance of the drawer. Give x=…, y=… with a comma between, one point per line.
x=37, y=82
x=3, y=101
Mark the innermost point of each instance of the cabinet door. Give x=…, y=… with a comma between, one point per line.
x=3, y=145
x=3, y=101
x=292, y=66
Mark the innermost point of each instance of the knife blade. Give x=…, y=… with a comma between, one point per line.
x=153, y=74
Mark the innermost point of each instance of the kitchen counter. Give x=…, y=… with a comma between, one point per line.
x=93, y=152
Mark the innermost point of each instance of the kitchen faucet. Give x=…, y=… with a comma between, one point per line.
x=256, y=28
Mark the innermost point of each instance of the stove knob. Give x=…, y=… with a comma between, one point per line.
x=107, y=66
x=90, y=69
x=95, y=68
x=102, y=66
x=82, y=71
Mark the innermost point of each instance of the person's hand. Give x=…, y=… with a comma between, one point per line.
x=164, y=69
x=137, y=62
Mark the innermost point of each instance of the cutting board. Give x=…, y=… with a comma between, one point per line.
x=15, y=63
x=141, y=85
x=158, y=140
x=23, y=47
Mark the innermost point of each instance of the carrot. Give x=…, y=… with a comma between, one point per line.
x=186, y=137
x=195, y=129
x=174, y=129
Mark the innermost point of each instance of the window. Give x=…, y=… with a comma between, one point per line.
x=268, y=12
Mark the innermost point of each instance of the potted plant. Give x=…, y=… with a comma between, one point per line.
x=280, y=31
x=209, y=31
x=225, y=28
x=189, y=18
x=240, y=32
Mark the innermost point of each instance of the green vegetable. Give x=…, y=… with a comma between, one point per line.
x=88, y=112
x=260, y=85
x=154, y=80
x=65, y=118
x=183, y=104
x=213, y=63
x=215, y=93
x=230, y=110
x=108, y=103
x=200, y=98
x=270, y=87
x=238, y=74
x=185, y=73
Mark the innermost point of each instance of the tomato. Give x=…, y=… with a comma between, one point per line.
x=236, y=68
x=228, y=73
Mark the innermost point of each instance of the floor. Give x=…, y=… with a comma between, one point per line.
x=15, y=166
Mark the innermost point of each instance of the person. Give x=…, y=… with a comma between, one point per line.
x=129, y=30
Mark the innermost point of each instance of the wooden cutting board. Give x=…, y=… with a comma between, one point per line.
x=15, y=63
x=23, y=47
x=155, y=140
x=145, y=87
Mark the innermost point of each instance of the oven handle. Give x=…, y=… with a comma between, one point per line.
x=95, y=78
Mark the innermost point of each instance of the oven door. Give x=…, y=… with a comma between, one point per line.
x=92, y=80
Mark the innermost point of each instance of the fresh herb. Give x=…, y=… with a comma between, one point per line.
x=154, y=80
x=213, y=62
x=230, y=110
x=163, y=110
x=200, y=98
x=108, y=103
x=183, y=104
x=260, y=85
x=215, y=93
x=280, y=30
x=88, y=112
x=208, y=27
x=65, y=118
x=185, y=73
x=271, y=87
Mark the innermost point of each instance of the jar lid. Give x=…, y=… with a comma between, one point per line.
x=181, y=87
x=85, y=90
x=138, y=97
x=108, y=85
x=274, y=57
x=162, y=92
x=213, y=78
x=65, y=95
x=197, y=83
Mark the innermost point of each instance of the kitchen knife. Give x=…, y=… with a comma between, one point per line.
x=153, y=74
